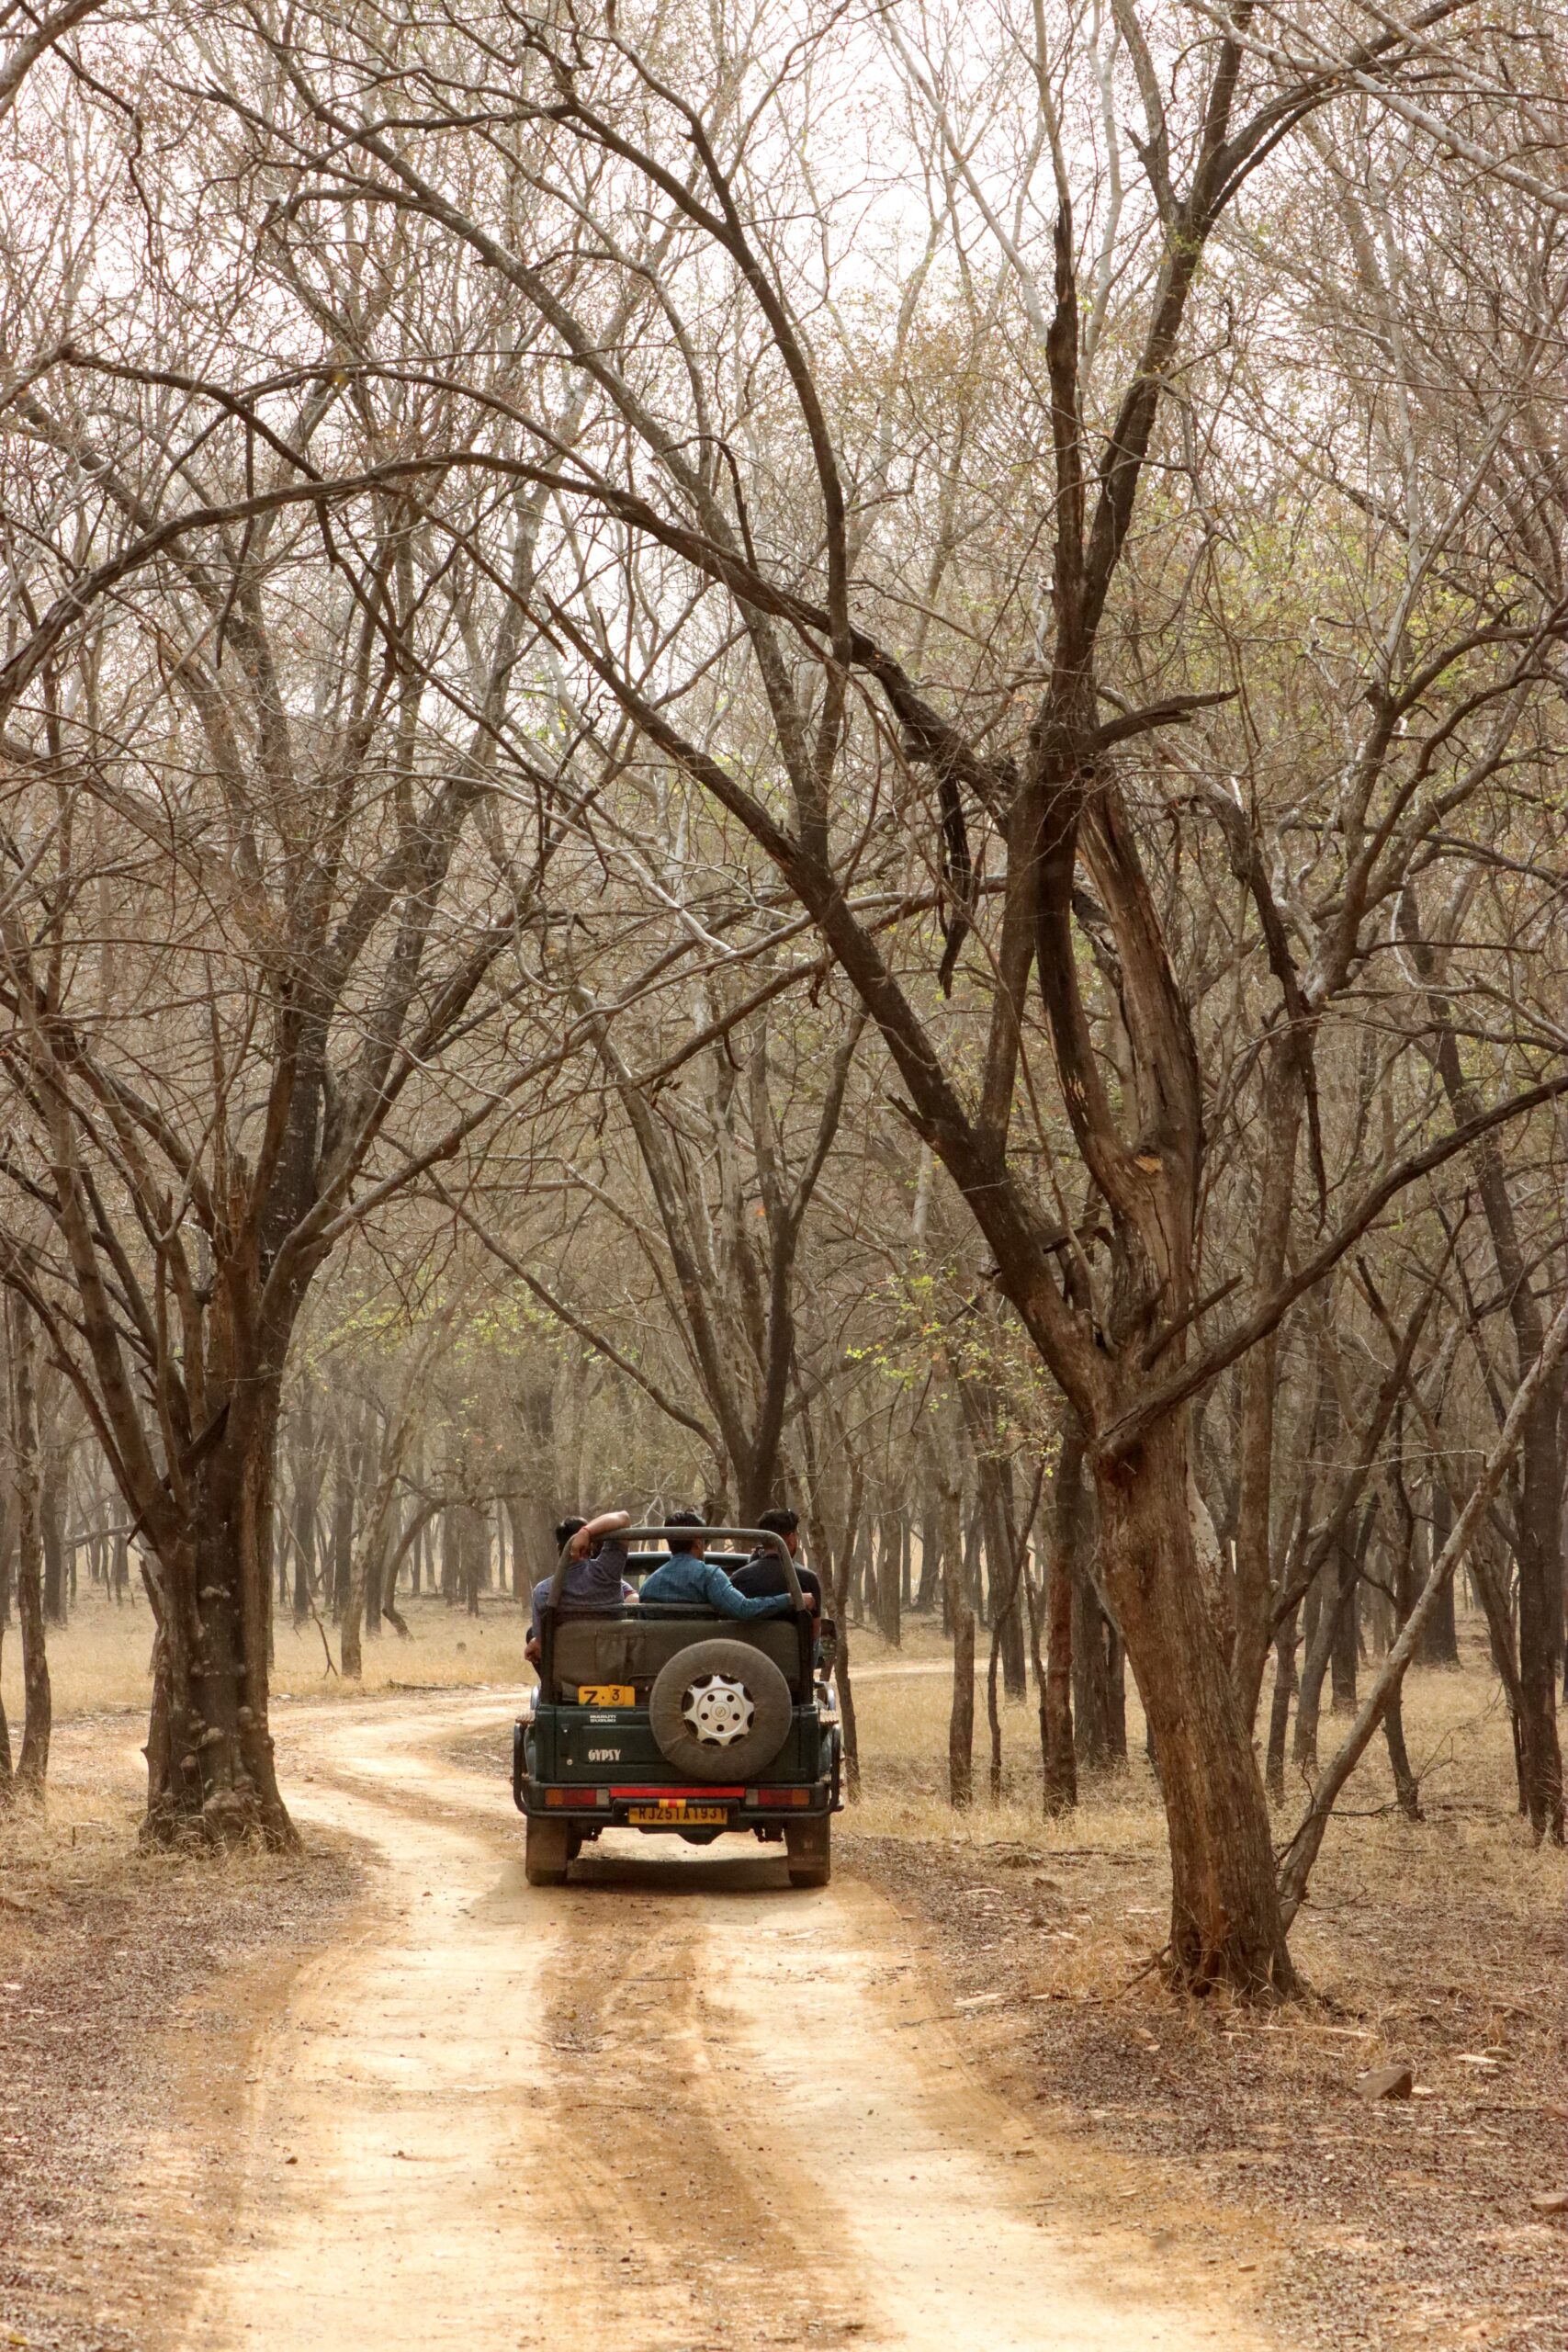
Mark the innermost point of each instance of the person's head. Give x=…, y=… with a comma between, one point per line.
x=783, y=1522
x=680, y=1541
x=566, y=1531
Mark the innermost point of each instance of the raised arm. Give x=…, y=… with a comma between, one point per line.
x=609, y=1522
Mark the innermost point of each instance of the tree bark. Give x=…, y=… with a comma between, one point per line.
x=893, y=1535
x=1225, y=1923
x=340, y=1566
x=209, y=1753
x=1440, y=1641
x=829, y=1561
x=1063, y=1573
x=56, y=1598
x=7, y=1551
x=1407, y=1788
x=1280, y=1130
x=1491, y=1588
x=994, y=1715
x=310, y=1473
x=1285, y=1641
x=1344, y=1654
x=929, y=1589
x=38, y=1703
x=958, y=1610
x=1099, y=1729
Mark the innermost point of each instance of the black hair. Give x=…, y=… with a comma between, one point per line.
x=684, y=1519
x=780, y=1520
x=566, y=1531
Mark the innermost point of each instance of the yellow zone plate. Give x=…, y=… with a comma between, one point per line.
x=654, y=1813
x=605, y=1694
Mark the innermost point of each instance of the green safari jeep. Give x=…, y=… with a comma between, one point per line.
x=669, y=1719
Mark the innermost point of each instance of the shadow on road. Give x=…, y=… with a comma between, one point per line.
x=630, y=1868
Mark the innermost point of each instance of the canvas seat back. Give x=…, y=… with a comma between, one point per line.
x=631, y=1648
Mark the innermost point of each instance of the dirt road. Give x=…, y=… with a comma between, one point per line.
x=675, y=2105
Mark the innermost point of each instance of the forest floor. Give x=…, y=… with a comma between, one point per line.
x=132, y=1990
x=1441, y=1944
x=391, y=2091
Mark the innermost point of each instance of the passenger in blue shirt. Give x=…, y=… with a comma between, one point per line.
x=686, y=1576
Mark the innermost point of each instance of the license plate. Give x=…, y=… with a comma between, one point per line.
x=605, y=1694
x=653, y=1813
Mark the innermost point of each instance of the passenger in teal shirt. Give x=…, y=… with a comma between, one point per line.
x=686, y=1576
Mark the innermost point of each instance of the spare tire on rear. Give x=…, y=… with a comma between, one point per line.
x=720, y=1711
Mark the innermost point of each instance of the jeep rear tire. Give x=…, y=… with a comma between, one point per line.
x=809, y=1844
x=546, y=1849
x=720, y=1711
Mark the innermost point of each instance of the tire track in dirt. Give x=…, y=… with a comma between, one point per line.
x=672, y=2107
x=671, y=2156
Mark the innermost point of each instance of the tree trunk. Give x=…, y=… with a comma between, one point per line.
x=961, y=1716
x=1285, y=1641
x=1406, y=1789
x=994, y=1715
x=1063, y=1573
x=958, y=1610
x=1343, y=1657
x=1035, y=1604
x=51, y=1499
x=1320, y=1615
x=340, y=1565
x=1227, y=1928
x=476, y=1557
x=1100, y=1730
x=1335, y=1594
x=1440, y=1641
x=829, y=1563
x=310, y=1471
x=1490, y=1589
x=523, y=1550
x=1007, y=1578
x=1258, y=1376
x=7, y=1548
x=37, y=1704
x=1540, y=1492
x=209, y=1750
x=1541, y=1614
x=929, y=1590
x=893, y=1534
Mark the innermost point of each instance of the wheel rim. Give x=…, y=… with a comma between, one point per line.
x=719, y=1710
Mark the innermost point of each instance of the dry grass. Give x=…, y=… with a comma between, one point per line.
x=100, y=1661
x=1433, y=1943
x=1456, y=1727
x=129, y=1981
x=446, y=1650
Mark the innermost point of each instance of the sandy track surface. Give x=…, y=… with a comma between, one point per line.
x=676, y=2104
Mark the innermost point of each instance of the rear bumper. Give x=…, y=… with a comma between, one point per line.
x=610, y=1804
x=604, y=1809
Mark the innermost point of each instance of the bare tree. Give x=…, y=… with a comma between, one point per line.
x=1047, y=736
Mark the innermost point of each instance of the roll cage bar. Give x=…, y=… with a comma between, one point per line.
x=757, y=1537
x=761, y=1538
